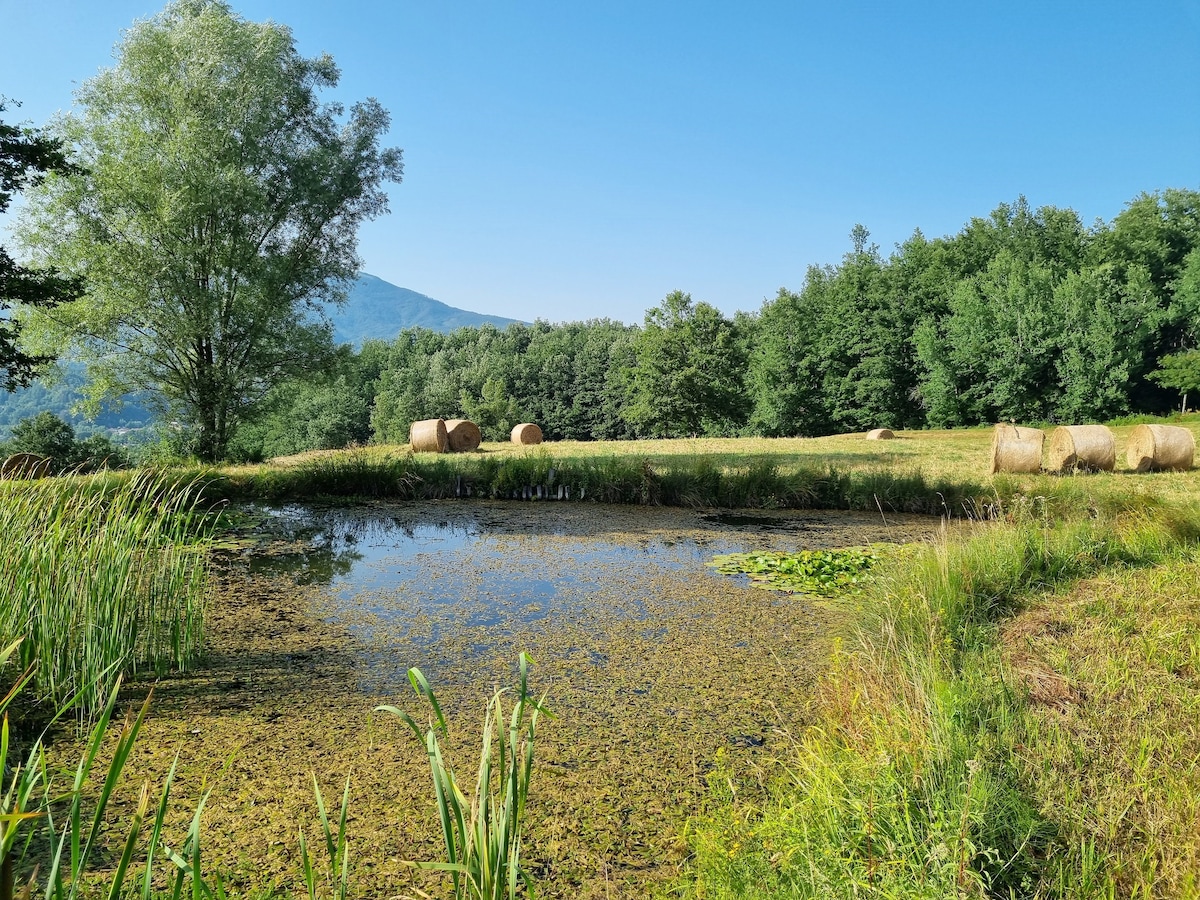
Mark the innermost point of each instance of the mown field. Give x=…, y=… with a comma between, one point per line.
x=1007, y=710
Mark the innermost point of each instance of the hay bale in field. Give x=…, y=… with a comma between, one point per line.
x=1086, y=448
x=1016, y=449
x=428, y=436
x=879, y=434
x=25, y=465
x=526, y=433
x=463, y=435
x=1159, y=448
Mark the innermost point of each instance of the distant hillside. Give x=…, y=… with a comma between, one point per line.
x=377, y=309
x=60, y=397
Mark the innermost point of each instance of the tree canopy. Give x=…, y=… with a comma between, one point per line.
x=26, y=156
x=215, y=208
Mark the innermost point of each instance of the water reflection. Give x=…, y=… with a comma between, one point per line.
x=424, y=580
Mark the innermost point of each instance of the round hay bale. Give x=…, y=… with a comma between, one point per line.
x=25, y=465
x=880, y=434
x=1159, y=448
x=526, y=433
x=428, y=436
x=1085, y=448
x=1016, y=449
x=463, y=435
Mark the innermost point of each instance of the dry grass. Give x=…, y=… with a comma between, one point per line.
x=1110, y=740
x=964, y=453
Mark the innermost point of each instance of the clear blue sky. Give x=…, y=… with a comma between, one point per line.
x=569, y=160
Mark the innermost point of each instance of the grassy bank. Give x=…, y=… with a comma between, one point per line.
x=932, y=472
x=1013, y=716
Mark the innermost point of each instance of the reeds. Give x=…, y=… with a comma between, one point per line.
x=483, y=833
x=99, y=578
x=72, y=819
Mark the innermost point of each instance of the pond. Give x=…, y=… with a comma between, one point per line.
x=654, y=666
x=409, y=583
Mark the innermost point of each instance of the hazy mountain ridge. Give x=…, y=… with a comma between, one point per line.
x=374, y=310
x=379, y=310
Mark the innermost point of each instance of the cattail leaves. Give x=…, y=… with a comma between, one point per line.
x=482, y=833
x=100, y=578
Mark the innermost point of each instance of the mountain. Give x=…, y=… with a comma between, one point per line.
x=374, y=309
x=377, y=309
x=61, y=396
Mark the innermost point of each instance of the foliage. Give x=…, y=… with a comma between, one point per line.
x=218, y=209
x=686, y=378
x=824, y=572
x=99, y=578
x=483, y=833
x=494, y=412
x=323, y=411
x=567, y=378
x=47, y=435
x=26, y=156
x=1180, y=371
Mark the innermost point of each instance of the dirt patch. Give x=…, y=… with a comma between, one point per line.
x=642, y=702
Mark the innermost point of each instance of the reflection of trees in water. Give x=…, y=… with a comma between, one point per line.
x=315, y=552
x=315, y=546
x=312, y=565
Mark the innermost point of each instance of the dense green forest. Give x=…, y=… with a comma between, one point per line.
x=1024, y=314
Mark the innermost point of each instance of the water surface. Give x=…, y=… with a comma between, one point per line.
x=417, y=584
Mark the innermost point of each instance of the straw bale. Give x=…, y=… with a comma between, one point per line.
x=1016, y=449
x=25, y=465
x=429, y=436
x=1087, y=448
x=463, y=435
x=526, y=433
x=1157, y=448
x=879, y=434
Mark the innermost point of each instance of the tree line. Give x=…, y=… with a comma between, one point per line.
x=1024, y=314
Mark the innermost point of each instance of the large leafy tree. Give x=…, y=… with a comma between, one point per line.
x=25, y=157
x=217, y=210
x=688, y=375
x=784, y=377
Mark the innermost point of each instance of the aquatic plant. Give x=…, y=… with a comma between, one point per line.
x=100, y=577
x=482, y=833
x=824, y=572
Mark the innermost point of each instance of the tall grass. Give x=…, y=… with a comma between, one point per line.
x=908, y=785
x=100, y=577
x=539, y=474
x=483, y=833
x=74, y=857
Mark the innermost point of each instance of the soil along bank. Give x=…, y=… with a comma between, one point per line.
x=429, y=436
x=463, y=435
x=1160, y=448
x=1087, y=448
x=1017, y=449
